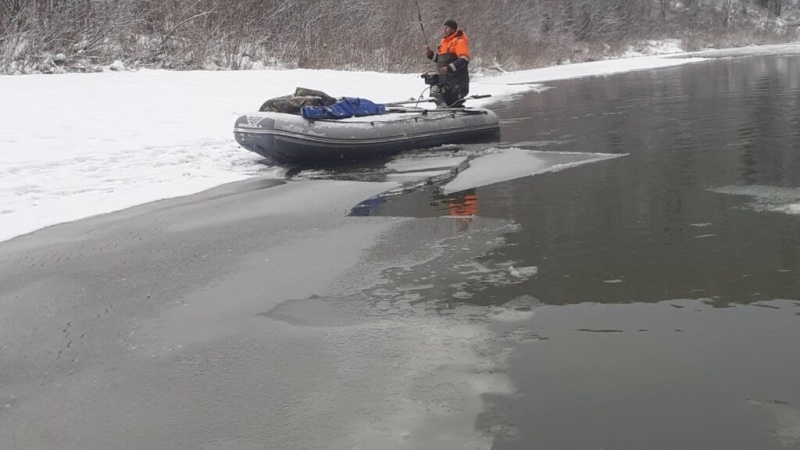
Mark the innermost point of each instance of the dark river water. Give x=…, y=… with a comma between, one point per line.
x=667, y=284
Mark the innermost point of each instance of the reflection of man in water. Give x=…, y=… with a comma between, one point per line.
x=463, y=206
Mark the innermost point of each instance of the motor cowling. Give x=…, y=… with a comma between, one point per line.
x=435, y=78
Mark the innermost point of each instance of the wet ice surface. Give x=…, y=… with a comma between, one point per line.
x=282, y=324
x=452, y=169
x=411, y=163
x=441, y=358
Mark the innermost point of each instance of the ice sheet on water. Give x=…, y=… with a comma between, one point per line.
x=426, y=163
x=515, y=310
x=533, y=145
x=568, y=71
x=787, y=420
x=761, y=50
x=432, y=175
x=766, y=198
x=523, y=272
x=513, y=163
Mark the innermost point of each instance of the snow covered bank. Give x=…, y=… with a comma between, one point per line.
x=76, y=145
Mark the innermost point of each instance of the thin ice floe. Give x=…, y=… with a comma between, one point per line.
x=766, y=198
x=510, y=164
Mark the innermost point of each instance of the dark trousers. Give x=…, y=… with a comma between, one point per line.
x=449, y=94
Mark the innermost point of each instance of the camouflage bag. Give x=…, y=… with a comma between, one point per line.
x=293, y=104
x=305, y=92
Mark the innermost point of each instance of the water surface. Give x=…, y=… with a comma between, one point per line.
x=665, y=285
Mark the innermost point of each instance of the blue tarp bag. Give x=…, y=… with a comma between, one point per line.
x=344, y=108
x=363, y=107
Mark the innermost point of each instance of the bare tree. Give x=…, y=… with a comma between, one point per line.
x=57, y=35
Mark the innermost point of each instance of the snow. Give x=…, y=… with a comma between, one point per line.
x=596, y=68
x=77, y=145
x=649, y=48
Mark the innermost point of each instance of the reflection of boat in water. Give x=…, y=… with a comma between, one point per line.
x=294, y=139
x=460, y=206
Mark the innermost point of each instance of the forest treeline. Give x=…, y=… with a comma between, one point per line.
x=381, y=35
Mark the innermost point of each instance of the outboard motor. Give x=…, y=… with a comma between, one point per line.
x=435, y=78
x=443, y=88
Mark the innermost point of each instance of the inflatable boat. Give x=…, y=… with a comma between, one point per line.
x=291, y=138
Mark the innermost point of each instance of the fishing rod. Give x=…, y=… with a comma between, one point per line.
x=421, y=26
x=430, y=100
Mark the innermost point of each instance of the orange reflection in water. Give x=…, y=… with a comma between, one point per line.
x=463, y=206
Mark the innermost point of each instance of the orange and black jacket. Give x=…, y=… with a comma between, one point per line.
x=453, y=53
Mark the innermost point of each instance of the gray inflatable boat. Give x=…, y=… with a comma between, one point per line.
x=291, y=138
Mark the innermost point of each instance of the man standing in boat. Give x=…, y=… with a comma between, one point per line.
x=452, y=61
